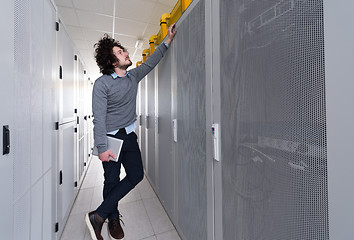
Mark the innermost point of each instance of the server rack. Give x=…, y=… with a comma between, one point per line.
x=41, y=169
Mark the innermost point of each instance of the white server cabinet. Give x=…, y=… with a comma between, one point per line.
x=39, y=170
x=67, y=128
x=66, y=181
x=83, y=119
x=81, y=98
x=90, y=118
x=22, y=127
x=87, y=119
x=6, y=118
x=50, y=115
x=66, y=58
x=77, y=63
x=32, y=132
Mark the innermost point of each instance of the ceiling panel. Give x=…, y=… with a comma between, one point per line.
x=126, y=41
x=75, y=32
x=95, y=21
x=68, y=16
x=81, y=44
x=94, y=35
x=102, y=7
x=130, y=28
x=134, y=10
x=169, y=3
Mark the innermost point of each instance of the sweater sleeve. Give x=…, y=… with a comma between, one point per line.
x=146, y=67
x=99, y=109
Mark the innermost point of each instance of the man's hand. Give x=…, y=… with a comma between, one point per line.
x=104, y=157
x=171, y=33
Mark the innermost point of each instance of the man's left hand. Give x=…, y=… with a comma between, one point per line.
x=171, y=33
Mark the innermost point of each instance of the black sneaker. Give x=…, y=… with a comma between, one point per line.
x=115, y=230
x=94, y=223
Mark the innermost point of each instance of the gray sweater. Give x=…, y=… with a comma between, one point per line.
x=114, y=100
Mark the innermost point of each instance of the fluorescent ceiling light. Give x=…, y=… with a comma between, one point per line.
x=139, y=44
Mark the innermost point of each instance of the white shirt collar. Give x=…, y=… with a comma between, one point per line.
x=115, y=75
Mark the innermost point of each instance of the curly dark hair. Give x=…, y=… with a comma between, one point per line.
x=104, y=53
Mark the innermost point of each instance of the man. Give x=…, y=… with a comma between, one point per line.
x=114, y=110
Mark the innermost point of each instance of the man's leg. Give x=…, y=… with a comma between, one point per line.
x=130, y=157
x=93, y=220
x=111, y=179
x=134, y=169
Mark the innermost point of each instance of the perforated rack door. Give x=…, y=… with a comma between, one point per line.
x=274, y=160
x=152, y=161
x=191, y=122
x=22, y=114
x=166, y=171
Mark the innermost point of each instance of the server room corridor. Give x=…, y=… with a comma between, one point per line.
x=143, y=215
x=244, y=119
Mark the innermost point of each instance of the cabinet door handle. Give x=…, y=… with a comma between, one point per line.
x=6, y=140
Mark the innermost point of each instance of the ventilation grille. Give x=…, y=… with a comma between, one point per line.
x=273, y=120
x=191, y=132
x=22, y=36
x=21, y=146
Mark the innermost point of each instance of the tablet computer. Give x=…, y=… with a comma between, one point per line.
x=114, y=144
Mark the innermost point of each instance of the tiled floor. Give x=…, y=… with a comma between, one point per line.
x=143, y=214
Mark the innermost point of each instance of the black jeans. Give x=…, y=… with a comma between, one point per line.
x=115, y=189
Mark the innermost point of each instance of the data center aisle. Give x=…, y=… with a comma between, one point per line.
x=143, y=214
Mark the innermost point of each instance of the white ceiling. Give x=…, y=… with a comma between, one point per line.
x=87, y=20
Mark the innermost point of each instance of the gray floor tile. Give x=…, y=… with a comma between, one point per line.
x=137, y=224
x=97, y=197
x=75, y=227
x=157, y=215
x=150, y=238
x=99, y=178
x=171, y=235
x=83, y=201
x=95, y=165
x=145, y=189
x=90, y=180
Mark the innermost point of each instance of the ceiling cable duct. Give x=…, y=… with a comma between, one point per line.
x=152, y=43
x=185, y=4
x=163, y=24
x=146, y=54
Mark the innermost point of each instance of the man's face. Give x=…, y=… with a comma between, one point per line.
x=123, y=58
